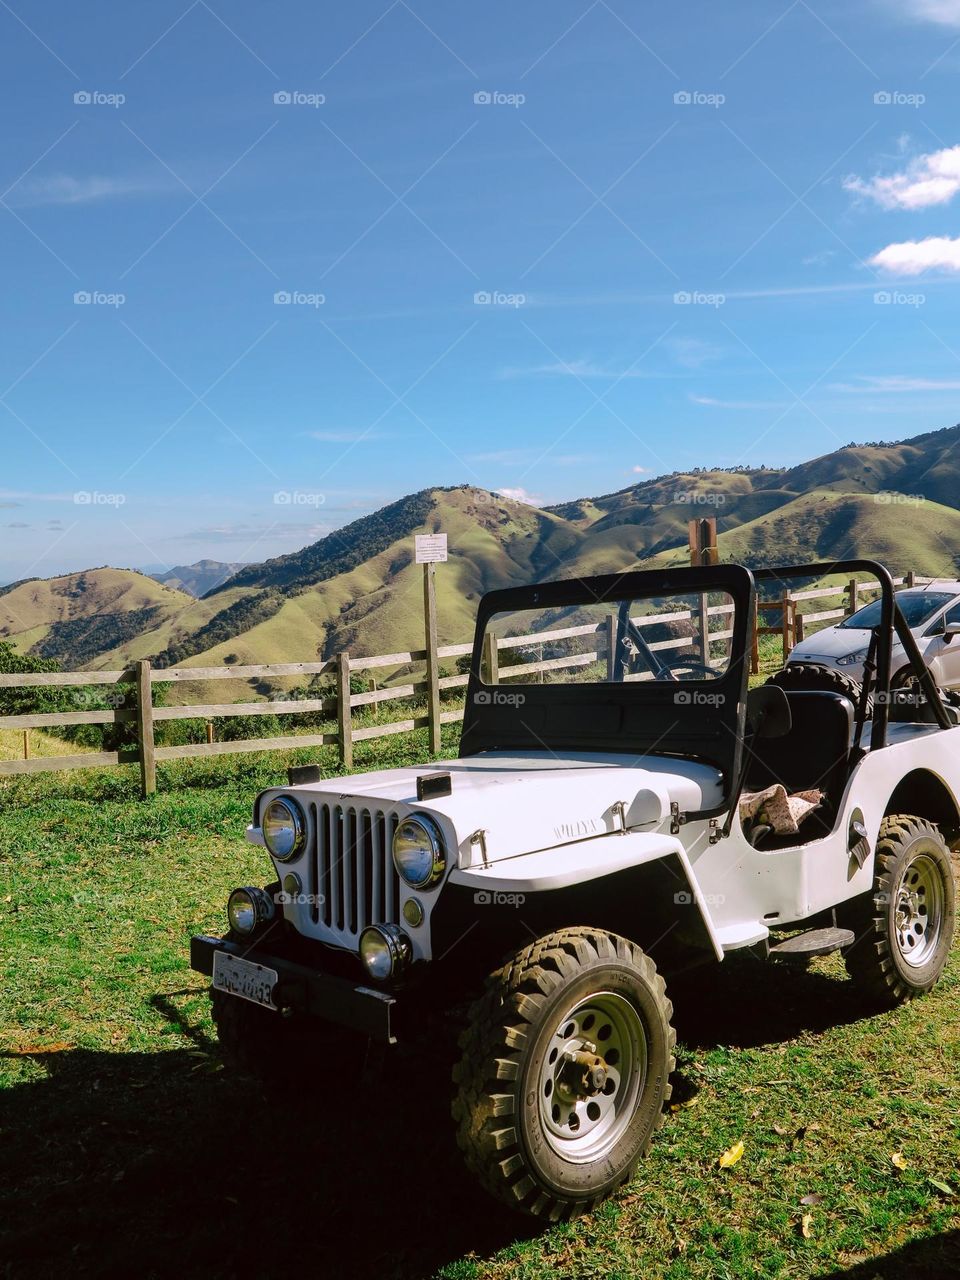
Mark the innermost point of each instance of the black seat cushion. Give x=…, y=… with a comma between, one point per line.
x=814, y=754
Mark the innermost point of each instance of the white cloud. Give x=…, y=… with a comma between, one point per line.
x=62, y=189
x=345, y=437
x=897, y=383
x=584, y=369
x=912, y=257
x=928, y=180
x=737, y=404
x=691, y=353
x=640, y=471
x=521, y=495
x=945, y=13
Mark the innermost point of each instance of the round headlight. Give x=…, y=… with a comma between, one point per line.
x=418, y=853
x=384, y=950
x=284, y=829
x=248, y=908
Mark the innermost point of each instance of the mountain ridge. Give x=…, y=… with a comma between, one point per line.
x=359, y=588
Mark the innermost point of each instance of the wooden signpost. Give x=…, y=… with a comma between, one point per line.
x=431, y=550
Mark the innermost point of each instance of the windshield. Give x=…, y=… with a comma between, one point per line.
x=916, y=606
x=681, y=636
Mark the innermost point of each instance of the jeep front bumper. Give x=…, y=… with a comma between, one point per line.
x=307, y=990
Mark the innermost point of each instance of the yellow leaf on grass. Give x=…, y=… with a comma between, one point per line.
x=732, y=1156
x=898, y=1160
x=806, y=1225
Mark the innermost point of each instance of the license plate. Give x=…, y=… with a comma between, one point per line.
x=243, y=978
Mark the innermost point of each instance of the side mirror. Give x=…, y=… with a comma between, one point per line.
x=768, y=712
x=951, y=632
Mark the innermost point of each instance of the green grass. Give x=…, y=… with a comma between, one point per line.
x=126, y=1149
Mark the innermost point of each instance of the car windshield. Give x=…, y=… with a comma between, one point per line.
x=680, y=636
x=917, y=607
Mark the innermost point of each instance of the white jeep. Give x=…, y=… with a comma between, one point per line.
x=622, y=808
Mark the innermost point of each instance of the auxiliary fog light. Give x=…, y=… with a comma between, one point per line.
x=248, y=908
x=385, y=951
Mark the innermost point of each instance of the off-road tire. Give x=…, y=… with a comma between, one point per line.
x=812, y=677
x=876, y=961
x=506, y=1048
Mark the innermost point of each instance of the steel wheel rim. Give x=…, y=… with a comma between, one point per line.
x=918, y=911
x=579, y=1127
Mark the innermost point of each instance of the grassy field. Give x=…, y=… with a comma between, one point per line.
x=126, y=1149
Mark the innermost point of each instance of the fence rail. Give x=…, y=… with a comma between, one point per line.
x=142, y=676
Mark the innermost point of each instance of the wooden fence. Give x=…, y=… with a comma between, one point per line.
x=144, y=715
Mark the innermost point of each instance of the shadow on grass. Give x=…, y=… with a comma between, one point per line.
x=934, y=1258
x=162, y=1164
x=747, y=1002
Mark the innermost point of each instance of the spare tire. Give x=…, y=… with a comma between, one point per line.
x=812, y=677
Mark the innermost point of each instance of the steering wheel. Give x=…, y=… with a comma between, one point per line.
x=696, y=670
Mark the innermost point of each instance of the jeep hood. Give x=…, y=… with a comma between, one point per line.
x=536, y=800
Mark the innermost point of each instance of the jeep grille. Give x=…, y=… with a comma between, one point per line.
x=355, y=883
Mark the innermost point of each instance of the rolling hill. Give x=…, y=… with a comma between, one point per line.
x=75, y=618
x=358, y=588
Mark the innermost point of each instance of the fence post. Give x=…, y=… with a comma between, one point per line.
x=344, y=718
x=787, y=608
x=851, y=597
x=611, y=645
x=433, y=663
x=911, y=576
x=209, y=732
x=26, y=744
x=148, y=764
x=704, y=630
x=491, y=659
x=755, y=641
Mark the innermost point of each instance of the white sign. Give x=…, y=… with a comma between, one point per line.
x=431, y=548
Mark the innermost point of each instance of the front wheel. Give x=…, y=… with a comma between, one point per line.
x=565, y=1071
x=905, y=927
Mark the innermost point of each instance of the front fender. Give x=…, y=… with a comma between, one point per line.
x=588, y=860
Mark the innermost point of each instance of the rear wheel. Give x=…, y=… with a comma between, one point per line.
x=565, y=1070
x=905, y=927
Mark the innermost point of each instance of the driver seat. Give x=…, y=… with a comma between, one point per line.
x=813, y=754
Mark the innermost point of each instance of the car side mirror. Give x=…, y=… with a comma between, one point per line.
x=768, y=712
x=951, y=632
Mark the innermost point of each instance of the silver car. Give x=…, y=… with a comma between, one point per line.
x=933, y=615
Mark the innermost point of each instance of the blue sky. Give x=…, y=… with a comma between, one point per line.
x=549, y=248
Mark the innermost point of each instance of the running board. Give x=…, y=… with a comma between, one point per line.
x=815, y=942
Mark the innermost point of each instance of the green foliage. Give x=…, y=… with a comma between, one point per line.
x=238, y=617
x=80, y=640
